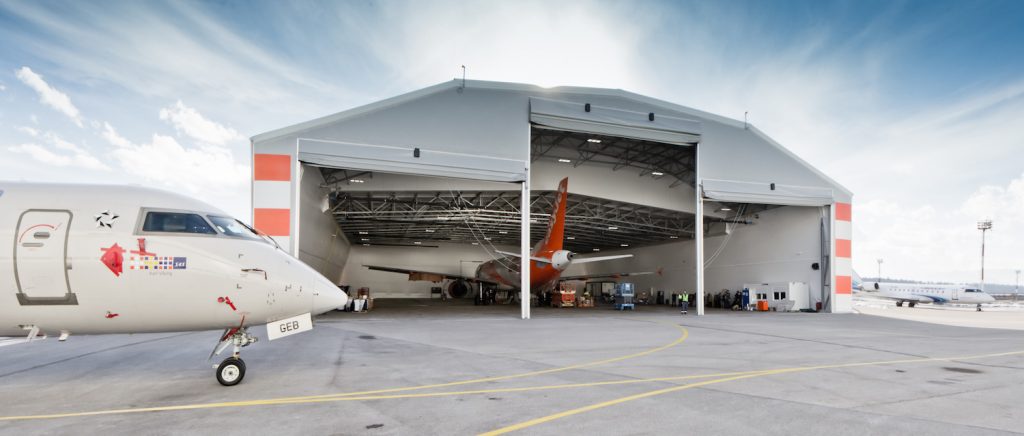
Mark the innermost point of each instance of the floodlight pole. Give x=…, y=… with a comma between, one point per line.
x=984, y=226
x=879, y=270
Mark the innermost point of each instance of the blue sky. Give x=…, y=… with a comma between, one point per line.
x=915, y=106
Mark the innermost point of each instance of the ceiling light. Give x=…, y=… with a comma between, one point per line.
x=364, y=233
x=502, y=232
x=487, y=239
x=364, y=239
x=356, y=181
x=623, y=245
x=429, y=230
x=595, y=249
x=725, y=209
x=657, y=173
x=673, y=237
x=612, y=228
x=476, y=243
x=563, y=160
x=417, y=242
x=570, y=237
x=595, y=141
x=366, y=245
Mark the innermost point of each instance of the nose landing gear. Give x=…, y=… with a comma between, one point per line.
x=979, y=307
x=231, y=371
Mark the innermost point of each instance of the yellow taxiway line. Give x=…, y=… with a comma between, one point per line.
x=752, y=374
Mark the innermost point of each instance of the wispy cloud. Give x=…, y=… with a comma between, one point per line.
x=49, y=95
x=67, y=154
x=194, y=125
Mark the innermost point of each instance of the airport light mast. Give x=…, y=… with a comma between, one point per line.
x=984, y=226
x=879, y=270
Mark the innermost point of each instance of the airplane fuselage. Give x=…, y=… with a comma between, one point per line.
x=938, y=294
x=110, y=259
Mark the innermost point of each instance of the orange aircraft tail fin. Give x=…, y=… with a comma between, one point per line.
x=556, y=224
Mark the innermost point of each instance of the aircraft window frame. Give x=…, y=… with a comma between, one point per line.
x=140, y=224
x=250, y=234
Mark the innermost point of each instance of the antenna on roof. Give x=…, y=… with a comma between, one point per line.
x=463, y=86
x=745, y=119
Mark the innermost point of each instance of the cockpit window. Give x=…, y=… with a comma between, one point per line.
x=176, y=222
x=232, y=227
x=973, y=290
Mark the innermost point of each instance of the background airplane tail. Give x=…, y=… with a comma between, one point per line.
x=556, y=224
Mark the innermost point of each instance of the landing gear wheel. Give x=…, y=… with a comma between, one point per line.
x=899, y=304
x=979, y=307
x=231, y=371
x=911, y=304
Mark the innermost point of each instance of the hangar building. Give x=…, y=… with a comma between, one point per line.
x=435, y=179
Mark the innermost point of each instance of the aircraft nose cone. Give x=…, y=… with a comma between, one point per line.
x=328, y=297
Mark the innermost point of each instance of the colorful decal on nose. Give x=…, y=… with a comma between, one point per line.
x=157, y=263
x=113, y=258
x=106, y=219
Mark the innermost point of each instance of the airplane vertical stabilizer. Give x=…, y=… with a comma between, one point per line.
x=556, y=225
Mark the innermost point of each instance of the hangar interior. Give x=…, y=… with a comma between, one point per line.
x=630, y=191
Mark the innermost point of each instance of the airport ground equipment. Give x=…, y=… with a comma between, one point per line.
x=564, y=296
x=624, y=294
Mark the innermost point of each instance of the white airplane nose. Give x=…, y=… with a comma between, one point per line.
x=328, y=296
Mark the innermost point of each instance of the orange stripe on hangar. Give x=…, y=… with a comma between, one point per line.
x=844, y=212
x=844, y=285
x=273, y=167
x=844, y=248
x=274, y=222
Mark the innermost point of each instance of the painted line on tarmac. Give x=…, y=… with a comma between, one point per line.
x=571, y=412
x=362, y=395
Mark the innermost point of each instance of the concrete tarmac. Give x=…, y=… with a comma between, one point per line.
x=426, y=367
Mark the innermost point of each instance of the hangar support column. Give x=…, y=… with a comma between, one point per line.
x=524, y=247
x=698, y=230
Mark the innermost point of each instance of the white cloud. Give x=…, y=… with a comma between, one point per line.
x=28, y=131
x=193, y=124
x=48, y=95
x=113, y=137
x=67, y=155
x=3, y=87
x=209, y=172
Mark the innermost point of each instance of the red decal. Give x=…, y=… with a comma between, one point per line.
x=113, y=258
x=112, y=315
x=227, y=300
x=142, y=249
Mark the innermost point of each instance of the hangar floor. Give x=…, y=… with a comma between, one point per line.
x=451, y=369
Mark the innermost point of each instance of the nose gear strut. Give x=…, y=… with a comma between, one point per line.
x=231, y=371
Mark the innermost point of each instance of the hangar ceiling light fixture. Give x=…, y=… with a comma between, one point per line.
x=673, y=237
x=612, y=228
x=657, y=173
x=364, y=233
x=595, y=141
x=357, y=181
x=595, y=249
x=571, y=238
x=563, y=160
x=724, y=209
x=428, y=230
x=417, y=242
x=623, y=245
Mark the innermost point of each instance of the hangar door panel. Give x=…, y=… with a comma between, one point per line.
x=410, y=160
x=574, y=117
x=765, y=193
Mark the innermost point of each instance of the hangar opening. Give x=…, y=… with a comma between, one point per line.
x=427, y=183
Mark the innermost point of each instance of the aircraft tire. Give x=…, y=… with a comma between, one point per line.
x=231, y=371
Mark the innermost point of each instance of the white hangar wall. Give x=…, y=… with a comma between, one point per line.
x=780, y=246
x=322, y=244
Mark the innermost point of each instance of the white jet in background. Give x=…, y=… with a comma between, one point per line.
x=912, y=293
x=93, y=259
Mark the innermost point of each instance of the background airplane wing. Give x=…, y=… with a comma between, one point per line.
x=429, y=276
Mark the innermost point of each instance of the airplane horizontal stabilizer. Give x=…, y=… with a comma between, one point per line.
x=600, y=258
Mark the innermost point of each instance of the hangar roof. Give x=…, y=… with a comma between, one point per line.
x=489, y=120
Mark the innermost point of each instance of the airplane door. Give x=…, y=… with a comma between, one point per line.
x=40, y=258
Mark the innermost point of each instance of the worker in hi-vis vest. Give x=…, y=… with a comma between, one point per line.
x=684, y=302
